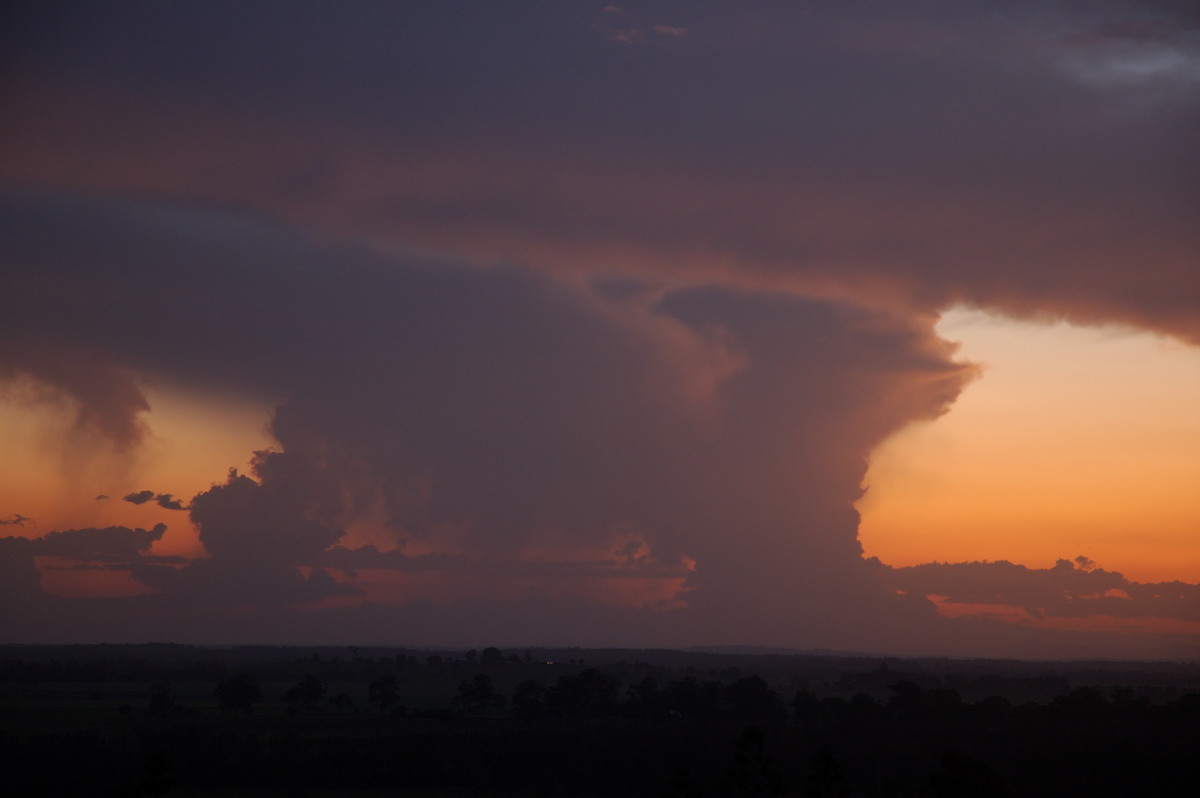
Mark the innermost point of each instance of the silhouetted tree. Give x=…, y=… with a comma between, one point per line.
x=491, y=657
x=384, y=692
x=683, y=785
x=478, y=695
x=963, y=776
x=1082, y=702
x=238, y=693
x=305, y=695
x=644, y=699
x=825, y=778
x=687, y=698
x=162, y=704
x=805, y=707
x=529, y=699
x=157, y=780
x=752, y=772
x=750, y=699
x=587, y=694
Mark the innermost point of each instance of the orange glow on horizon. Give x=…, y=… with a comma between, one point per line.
x=1074, y=442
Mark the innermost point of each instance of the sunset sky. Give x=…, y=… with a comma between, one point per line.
x=862, y=326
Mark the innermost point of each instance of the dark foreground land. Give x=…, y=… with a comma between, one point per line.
x=248, y=722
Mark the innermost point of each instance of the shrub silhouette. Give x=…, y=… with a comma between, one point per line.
x=238, y=693
x=305, y=695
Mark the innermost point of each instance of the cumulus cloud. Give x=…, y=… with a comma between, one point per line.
x=163, y=500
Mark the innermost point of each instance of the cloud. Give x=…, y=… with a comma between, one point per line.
x=501, y=413
x=107, y=544
x=16, y=520
x=269, y=522
x=20, y=582
x=107, y=399
x=972, y=167
x=1068, y=590
x=163, y=500
x=681, y=294
x=667, y=30
x=229, y=584
x=168, y=502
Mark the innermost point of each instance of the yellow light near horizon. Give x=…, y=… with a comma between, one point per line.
x=1075, y=441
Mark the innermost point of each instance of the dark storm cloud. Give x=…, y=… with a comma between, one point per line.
x=261, y=522
x=497, y=411
x=1038, y=159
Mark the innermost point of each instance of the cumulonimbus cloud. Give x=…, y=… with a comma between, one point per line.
x=723, y=255
x=503, y=412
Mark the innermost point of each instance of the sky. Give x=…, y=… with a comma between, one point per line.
x=856, y=326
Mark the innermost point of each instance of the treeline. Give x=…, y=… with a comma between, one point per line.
x=492, y=722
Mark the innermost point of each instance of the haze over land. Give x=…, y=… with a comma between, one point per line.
x=573, y=324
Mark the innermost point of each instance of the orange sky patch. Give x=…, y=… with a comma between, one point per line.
x=1073, y=442
x=53, y=473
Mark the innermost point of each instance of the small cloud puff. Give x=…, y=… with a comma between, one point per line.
x=167, y=501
